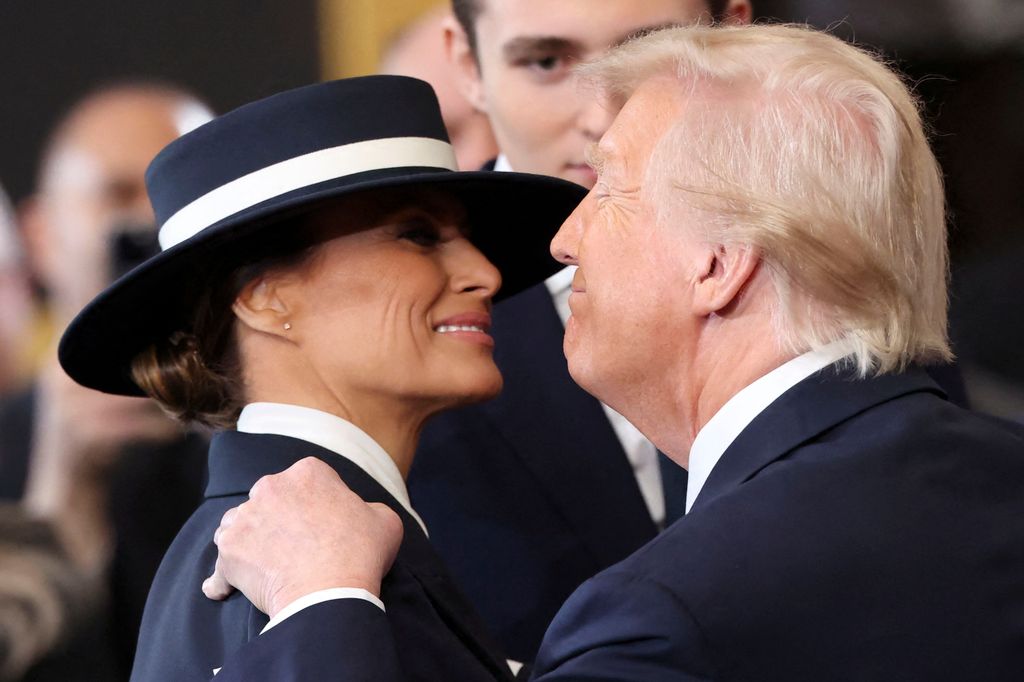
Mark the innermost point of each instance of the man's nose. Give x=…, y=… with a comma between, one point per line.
x=565, y=244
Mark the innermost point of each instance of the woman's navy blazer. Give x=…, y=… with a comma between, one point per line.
x=185, y=636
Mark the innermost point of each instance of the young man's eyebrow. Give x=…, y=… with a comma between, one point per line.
x=531, y=46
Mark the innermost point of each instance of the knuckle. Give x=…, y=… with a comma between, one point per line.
x=308, y=466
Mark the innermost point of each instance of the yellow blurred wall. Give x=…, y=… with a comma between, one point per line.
x=353, y=32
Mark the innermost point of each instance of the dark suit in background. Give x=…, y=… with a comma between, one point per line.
x=185, y=635
x=530, y=494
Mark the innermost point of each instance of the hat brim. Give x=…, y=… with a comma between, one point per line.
x=513, y=217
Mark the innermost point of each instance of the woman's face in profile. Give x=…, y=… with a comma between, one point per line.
x=399, y=309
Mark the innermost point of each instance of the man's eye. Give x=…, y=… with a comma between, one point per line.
x=421, y=234
x=549, y=63
x=548, y=67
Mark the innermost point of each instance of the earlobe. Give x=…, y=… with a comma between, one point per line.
x=464, y=63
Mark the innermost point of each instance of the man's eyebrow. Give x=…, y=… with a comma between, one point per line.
x=531, y=46
x=646, y=30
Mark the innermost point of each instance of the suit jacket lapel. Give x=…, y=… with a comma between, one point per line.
x=574, y=451
x=238, y=460
x=810, y=408
x=419, y=558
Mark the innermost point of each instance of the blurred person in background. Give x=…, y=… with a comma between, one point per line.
x=114, y=476
x=15, y=300
x=419, y=51
x=532, y=493
x=48, y=608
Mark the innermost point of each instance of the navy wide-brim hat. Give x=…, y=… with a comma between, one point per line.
x=230, y=183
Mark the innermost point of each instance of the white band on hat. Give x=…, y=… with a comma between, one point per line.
x=303, y=171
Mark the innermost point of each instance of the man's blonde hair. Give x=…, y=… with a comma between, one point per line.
x=813, y=152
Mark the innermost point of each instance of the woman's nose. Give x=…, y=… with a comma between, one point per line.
x=472, y=272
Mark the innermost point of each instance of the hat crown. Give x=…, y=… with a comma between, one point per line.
x=288, y=125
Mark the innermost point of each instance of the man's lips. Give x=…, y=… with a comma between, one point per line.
x=470, y=326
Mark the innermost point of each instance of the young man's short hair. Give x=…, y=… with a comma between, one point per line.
x=467, y=11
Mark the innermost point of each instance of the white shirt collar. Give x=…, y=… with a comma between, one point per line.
x=722, y=429
x=502, y=165
x=558, y=286
x=332, y=433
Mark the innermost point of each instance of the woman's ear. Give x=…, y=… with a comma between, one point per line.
x=262, y=305
x=463, y=61
x=725, y=270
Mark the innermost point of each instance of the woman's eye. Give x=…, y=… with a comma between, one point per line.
x=421, y=234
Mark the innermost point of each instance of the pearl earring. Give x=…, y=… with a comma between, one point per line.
x=287, y=326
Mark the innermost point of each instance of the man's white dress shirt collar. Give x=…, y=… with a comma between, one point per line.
x=332, y=433
x=739, y=411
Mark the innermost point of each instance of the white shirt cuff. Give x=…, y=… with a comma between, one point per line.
x=320, y=596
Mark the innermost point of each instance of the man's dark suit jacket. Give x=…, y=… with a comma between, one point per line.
x=856, y=530
x=185, y=636
x=530, y=494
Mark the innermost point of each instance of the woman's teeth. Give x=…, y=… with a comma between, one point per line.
x=449, y=328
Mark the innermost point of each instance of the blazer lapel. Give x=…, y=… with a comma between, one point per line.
x=561, y=433
x=813, y=406
x=419, y=558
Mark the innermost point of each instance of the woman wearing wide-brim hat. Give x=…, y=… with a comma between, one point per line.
x=324, y=288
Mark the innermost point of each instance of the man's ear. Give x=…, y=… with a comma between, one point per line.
x=464, y=63
x=262, y=306
x=39, y=239
x=737, y=12
x=725, y=270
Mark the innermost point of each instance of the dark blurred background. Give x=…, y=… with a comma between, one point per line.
x=227, y=51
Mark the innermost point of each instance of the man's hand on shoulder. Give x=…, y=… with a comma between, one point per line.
x=302, y=531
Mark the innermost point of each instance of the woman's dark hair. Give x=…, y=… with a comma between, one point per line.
x=195, y=373
x=467, y=11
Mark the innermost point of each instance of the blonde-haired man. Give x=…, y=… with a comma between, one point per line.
x=761, y=266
